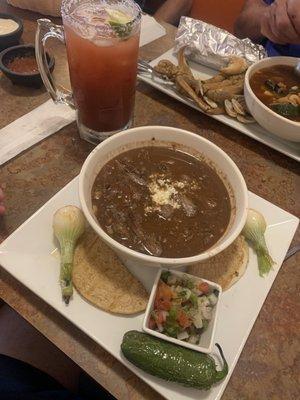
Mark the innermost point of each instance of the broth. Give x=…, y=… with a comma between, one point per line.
x=278, y=87
x=161, y=202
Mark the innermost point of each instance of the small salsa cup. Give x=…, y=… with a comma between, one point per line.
x=207, y=337
x=18, y=78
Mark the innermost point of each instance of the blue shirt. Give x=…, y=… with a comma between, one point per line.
x=274, y=49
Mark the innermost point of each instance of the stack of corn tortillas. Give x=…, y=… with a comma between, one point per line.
x=101, y=278
x=227, y=267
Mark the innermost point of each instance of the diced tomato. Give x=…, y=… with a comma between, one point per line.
x=183, y=319
x=164, y=305
x=163, y=297
x=165, y=290
x=203, y=287
x=151, y=323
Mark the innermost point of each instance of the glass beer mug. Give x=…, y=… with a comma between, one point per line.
x=102, y=41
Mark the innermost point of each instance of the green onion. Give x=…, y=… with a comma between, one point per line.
x=194, y=300
x=68, y=226
x=253, y=231
x=173, y=313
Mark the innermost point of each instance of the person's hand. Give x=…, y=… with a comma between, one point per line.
x=281, y=22
x=293, y=7
x=2, y=209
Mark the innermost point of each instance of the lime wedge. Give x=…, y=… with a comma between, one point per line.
x=120, y=22
x=117, y=16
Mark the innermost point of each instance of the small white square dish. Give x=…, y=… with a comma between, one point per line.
x=169, y=321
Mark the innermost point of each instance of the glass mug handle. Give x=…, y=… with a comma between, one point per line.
x=45, y=30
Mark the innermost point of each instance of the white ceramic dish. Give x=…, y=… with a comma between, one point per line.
x=270, y=120
x=207, y=338
x=255, y=131
x=164, y=136
x=26, y=255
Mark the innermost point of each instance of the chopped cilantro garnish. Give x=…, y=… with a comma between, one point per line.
x=173, y=313
x=165, y=275
x=194, y=300
x=171, y=328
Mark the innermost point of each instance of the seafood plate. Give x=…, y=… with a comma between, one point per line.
x=220, y=94
x=203, y=73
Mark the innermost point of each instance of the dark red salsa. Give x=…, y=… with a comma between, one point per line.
x=24, y=65
x=161, y=202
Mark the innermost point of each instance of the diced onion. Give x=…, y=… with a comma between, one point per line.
x=193, y=339
x=182, y=335
x=213, y=299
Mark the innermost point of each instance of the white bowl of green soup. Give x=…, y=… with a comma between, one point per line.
x=162, y=196
x=272, y=94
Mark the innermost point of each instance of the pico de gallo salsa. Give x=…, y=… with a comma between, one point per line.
x=182, y=307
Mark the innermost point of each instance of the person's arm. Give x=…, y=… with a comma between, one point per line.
x=248, y=23
x=172, y=10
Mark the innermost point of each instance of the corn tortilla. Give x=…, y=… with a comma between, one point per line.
x=227, y=267
x=101, y=278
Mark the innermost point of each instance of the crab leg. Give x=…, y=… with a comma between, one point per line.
x=216, y=78
x=182, y=86
x=221, y=94
x=236, y=65
x=183, y=65
x=223, y=84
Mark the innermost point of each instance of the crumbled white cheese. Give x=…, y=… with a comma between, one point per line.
x=179, y=185
x=162, y=191
x=163, y=195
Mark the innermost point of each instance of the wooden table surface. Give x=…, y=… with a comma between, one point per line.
x=269, y=365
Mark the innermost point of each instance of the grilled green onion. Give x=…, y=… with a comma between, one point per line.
x=253, y=231
x=68, y=226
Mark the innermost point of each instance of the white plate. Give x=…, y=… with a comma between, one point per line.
x=255, y=131
x=26, y=254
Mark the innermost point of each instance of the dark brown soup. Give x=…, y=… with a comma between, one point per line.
x=161, y=202
x=278, y=87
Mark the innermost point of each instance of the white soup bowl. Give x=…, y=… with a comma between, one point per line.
x=182, y=140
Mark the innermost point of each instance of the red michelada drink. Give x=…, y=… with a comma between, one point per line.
x=102, y=39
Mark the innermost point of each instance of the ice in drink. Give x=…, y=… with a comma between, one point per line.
x=102, y=41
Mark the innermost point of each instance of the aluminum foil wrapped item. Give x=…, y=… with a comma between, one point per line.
x=211, y=46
